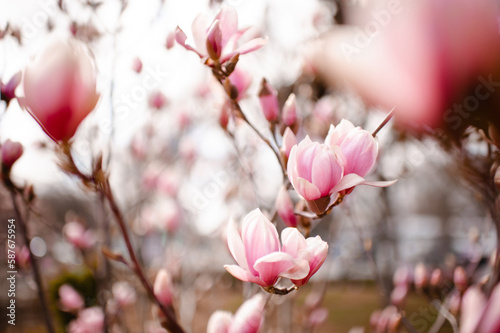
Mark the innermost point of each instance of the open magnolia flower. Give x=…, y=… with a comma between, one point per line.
x=261, y=259
x=319, y=172
x=218, y=40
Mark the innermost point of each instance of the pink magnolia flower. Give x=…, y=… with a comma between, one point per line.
x=60, y=88
x=313, y=250
x=11, y=152
x=316, y=172
x=163, y=287
x=218, y=40
x=359, y=147
x=268, y=99
x=284, y=207
x=8, y=90
x=90, y=320
x=170, y=42
x=248, y=318
x=442, y=67
x=70, y=299
x=257, y=251
x=76, y=234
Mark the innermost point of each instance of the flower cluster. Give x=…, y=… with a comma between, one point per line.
x=218, y=41
x=321, y=172
x=262, y=259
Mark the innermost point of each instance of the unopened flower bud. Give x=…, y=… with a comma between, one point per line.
x=399, y=294
x=289, y=140
x=219, y=322
x=394, y=323
x=436, y=280
x=490, y=321
x=454, y=302
x=170, y=40
x=421, y=276
x=289, y=113
x=374, y=319
x=460, y=279
x=70, y=299
x=402, y=276
x=225, y=112
x=284, y=207
x=268, y=98
x=157, y=100
x=8, y=90
x=11, y=152
x=163, y=287
x=137, y=65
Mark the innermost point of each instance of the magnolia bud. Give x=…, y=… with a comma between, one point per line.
x=219, y=322
x=11, y=151
x=460, y=279
x=8, y=90
x=473, y=304
x=70, y=299
x=137, y=65
x=399, y=294
x=163, y=287
x=157, y=100
x=402, y=276
x=289, y=112
x=268, y=98
x=289, y=140
x=436, y=280
x=421, y=276
x=284, y=207
x=170, y=40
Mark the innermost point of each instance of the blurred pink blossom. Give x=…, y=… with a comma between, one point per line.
x=89, y=320
x=218, y=40
x=163, y=287
x=289, y=112
x=8, y=90
x=473, y=304
x=241, y=79
x=490, y=320
x=60, y=88
x=219, y=322
x=157, y=100
x=170, y=42
x=123, y=293
x=75, y=233
x=257, y=251
x=421, y=276
x=137, y=65
x=248, y=317
x=70, y=299
x=268, y=99
x=422, y=56
x=11, y=152
x=289, y=140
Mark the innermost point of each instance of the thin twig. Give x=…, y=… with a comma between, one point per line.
x=384, y=122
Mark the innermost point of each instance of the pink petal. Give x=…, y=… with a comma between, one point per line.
x=244, y=275
x=379, y=183
x=307, y=190
x=326, y=171
x=228, y=23
x=259, y=236
x=293, y=241
x=235, y=245
x=273, y=265
x=250, y=46
x=348, y=181
x=180, y=38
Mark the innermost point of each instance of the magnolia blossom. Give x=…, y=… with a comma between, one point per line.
x=473, y=304
x=241, y=79
x=60, y=88
x=218, y=40
x=123, y=293
x=490, y=319
x=157, y=100
x=261, y=259
x=248, y=318
x=11, y=152
x=70, y=299
x=257, y=250
x=90, y=320
x=320, y=172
